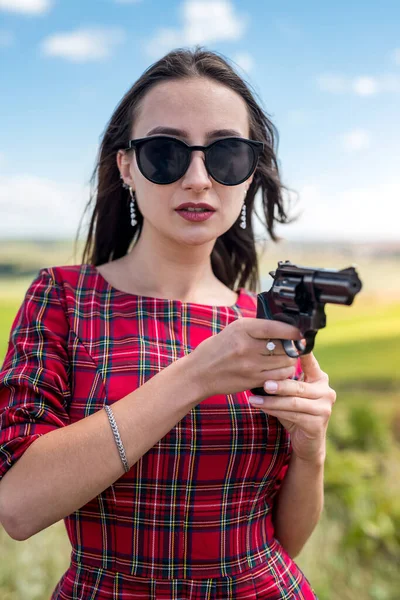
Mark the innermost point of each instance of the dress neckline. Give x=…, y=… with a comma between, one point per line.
x=147, y=299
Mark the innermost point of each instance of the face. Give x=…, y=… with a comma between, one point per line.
x=190, y=110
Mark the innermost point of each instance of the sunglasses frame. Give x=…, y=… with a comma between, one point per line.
x=257, y=148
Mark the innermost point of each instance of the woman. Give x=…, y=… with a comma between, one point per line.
x=183, y=489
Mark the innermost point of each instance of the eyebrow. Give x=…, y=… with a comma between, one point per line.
x=216, y=133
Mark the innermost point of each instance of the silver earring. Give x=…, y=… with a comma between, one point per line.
x=124, y=185
x=243, y=214
x=132, y=207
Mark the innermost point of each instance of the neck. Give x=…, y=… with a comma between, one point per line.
x=166, y=269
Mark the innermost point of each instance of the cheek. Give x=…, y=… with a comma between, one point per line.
x=154, y=201
x=232, y=199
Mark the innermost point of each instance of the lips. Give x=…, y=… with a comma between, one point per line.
x=203, y=205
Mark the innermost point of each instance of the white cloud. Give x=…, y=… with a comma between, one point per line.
x=33, y=206
x=86, y=44
x=360, y=85
x=365, y=86
x=244, y=60
x=203, y=22
x=7, y=38
x=358, y=139
x=357, y=213
x=36, y=206
x=28, y=7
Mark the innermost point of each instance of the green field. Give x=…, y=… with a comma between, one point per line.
x=354, y=553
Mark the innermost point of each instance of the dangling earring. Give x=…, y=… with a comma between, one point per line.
x=132, y=202
x=124, y=185
x=132, y=207
x=243, y=215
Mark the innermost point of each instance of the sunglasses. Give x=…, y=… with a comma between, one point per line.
x=163, y=159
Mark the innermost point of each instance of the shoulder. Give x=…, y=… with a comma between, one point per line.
x=61, y=284
x=68, y=274
x=70, y=280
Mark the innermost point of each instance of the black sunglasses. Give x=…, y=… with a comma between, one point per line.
x=164, y=159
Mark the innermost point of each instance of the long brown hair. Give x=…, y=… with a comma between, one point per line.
x=110, y=235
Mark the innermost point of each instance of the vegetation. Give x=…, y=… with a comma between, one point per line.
x=354, y=552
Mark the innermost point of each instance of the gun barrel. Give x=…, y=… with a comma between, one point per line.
x=336, y=289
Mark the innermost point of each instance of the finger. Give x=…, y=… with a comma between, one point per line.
x=279, y=373
x=311, y=425
x=292, y=387
x=289, y=404
x=277, y=351
x=280, y=361
x=312, y=370
x=269, y=329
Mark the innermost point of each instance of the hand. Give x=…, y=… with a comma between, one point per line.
x=304, y=409
x=236, y=359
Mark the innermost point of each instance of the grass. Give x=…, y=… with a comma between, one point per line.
x=360, y=351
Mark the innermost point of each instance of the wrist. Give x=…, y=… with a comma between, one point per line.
x=193, y=382
x=315, y=462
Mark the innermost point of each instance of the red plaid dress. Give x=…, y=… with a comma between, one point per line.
x=192, y=519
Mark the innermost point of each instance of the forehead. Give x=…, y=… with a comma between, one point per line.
x=196, y=105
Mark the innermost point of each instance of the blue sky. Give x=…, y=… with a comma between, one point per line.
x=328, y=75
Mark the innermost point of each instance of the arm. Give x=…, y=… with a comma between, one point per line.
x=304, y=409
x=299, y=504
x=67, y=467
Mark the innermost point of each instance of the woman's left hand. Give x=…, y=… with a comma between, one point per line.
x=304, y=409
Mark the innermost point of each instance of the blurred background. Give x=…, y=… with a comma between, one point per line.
x=328, y=75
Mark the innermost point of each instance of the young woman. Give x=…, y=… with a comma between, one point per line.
x=124, y=395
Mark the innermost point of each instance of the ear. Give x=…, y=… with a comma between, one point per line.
x=124, y=166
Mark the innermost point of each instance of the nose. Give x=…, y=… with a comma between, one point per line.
x=196, y=177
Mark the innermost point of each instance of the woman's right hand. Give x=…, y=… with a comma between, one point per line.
x=236, y=359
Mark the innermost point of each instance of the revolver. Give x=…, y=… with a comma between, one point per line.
x=298, y=296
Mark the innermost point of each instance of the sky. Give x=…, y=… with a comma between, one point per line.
x=327, y=75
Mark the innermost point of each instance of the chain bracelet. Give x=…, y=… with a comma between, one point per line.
x=117, y=437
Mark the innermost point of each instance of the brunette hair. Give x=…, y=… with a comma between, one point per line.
x=234, y=256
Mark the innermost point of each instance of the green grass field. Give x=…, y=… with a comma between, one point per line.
x=354, y=553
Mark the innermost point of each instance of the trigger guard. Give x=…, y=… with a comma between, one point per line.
x=302, y=349
x=290, y=351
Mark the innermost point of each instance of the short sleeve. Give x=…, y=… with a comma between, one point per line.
x=34, y=378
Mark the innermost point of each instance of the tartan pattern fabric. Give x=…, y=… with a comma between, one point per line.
x=193, y=517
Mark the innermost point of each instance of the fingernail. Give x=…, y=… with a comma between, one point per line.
x=270, y=386
x=256, y=399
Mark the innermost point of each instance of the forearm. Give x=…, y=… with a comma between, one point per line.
x=299, y=504
x=68, y=467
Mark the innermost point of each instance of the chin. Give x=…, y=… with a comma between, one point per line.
x=197, y=238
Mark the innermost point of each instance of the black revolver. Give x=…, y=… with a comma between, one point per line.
x=298, y=295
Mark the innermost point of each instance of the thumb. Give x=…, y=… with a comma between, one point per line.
x=311, y=368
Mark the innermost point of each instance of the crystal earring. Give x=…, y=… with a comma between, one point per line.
x=243, y=214
x=132, y=207
x=124, y=185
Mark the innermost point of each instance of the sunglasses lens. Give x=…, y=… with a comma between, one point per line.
x=162, y=160
x=231, y=161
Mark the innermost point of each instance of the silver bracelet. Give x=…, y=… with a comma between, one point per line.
x=117, y=437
